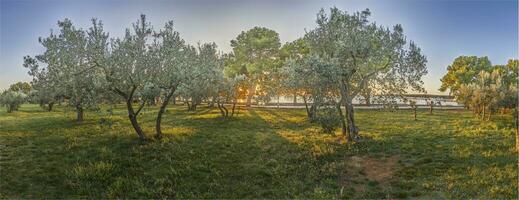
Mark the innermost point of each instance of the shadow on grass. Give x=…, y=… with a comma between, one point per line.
x=259, y=154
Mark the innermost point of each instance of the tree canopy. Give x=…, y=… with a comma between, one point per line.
x=255, y=55
x=463, y=70
x=358, y=52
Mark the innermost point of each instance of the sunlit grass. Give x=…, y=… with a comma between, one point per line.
x=261, y=153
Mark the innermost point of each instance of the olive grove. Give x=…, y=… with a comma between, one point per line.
x=346, y=55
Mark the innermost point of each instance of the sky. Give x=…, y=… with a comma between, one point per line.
x=443, y=29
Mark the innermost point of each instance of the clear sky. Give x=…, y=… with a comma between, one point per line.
x=443, y=29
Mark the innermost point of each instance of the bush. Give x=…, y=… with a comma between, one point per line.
x=328, y=118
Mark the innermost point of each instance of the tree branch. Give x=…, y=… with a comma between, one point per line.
x=366, y=78
x=140, y=108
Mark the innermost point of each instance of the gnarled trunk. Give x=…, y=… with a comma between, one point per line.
x=223, y=110
x=220, y=108
x=226, y=110
x=132, y=115
x=162, y=109
x=343, y=123
x=306, y=107
x=352, y=132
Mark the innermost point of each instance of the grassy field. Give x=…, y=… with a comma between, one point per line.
x=262, y=153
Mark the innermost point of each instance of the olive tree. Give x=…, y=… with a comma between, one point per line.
x=68, y=68
x=43, y=90
x=12, y=100
x=202, y=75
x=171, y=60
x=295, y=50
x=314, y=79
x=364, y=52
x=127, y=67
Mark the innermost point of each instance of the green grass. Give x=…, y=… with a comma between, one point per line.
x=262, y=153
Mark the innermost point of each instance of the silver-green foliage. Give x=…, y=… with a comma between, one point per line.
x=363, y=52
x=12, y=100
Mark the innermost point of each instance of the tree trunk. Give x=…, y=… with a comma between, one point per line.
x=233, y=107
x=158, y=130
x=516, y=129
x=414, y=109
x=137, y=127
x=431, y=108
x=517, y=138
x=252, y=90
x=194, y=104
x=295, y=98
x=133, y=119
x=306, y=107
x=313, y=110
x=220, y=108
x=79, y=111
x=353, y=131
x=343, y=123
x=225, y=109
x=51, y=104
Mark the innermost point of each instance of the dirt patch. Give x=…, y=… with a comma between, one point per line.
x=358, y=171
x=380, y=170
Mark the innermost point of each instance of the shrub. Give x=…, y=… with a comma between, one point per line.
x=329, y=119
